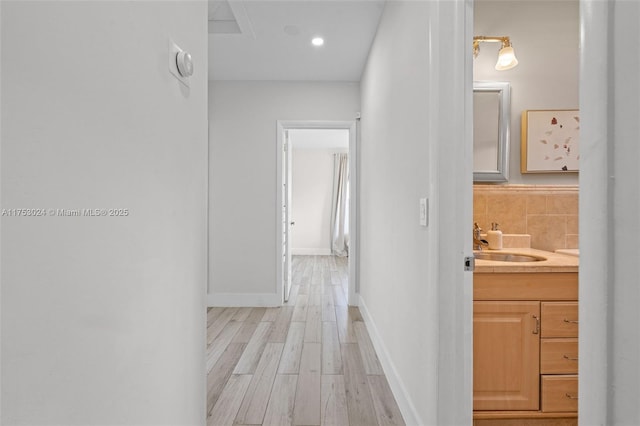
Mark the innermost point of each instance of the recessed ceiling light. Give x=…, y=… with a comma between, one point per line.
x=317, y=41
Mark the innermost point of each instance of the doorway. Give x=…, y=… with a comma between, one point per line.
x=292, y=134
x=539, y=210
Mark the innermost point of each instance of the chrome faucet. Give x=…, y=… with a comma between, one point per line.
x=477, y=242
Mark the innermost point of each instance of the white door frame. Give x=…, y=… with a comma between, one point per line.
x=283, y=125
x=451, y=103
x=609, y=383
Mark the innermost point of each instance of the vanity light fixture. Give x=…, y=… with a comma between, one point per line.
x=506, y=55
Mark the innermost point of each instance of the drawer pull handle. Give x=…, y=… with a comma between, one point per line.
x=571, y=321
x=567, y=357
x=537, y=329
x=571, y=396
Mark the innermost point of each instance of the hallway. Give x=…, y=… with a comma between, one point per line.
x=310, y=362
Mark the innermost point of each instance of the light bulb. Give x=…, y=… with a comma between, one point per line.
x=317, y=41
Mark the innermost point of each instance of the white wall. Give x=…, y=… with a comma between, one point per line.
x=545, y=36
x=394, y=156
x=242, y=152
x=417, y=142
x=312, y=188
x=103, y=318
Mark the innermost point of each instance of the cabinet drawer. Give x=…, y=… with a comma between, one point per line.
x=559, y=356
x=559, y=393
x=559, y=319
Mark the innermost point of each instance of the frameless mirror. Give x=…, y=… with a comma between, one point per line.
x=491, y=118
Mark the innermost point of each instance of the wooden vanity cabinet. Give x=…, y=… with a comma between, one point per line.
x=525, y=350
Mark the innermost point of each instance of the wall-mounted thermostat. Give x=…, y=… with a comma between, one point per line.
x=184, y=63
x=180, y=63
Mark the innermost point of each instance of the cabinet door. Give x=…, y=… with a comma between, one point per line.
x=506, y=355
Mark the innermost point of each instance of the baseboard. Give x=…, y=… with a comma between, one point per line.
x=310, y=252
x=408, y=410
x=230, y=300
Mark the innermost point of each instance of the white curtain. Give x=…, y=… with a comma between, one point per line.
x=340, y=206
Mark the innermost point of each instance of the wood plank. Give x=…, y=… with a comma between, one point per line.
x=251, y=356
x=339, y=297
x=221, y=371
x=359, y=402
x=241, y=314
x=304, y=289
x=221, y=342
x=297, y=266
x=300, y=310
x=271, y=314
x=313, y=329
x=293, y=295
x=370, y=359
x=226, y=408
x=281, y=325
x=290, y=362
x=346, y=331
x=280, y=408
x=316, y=279
x=258, y=394
x=354, y=314
x=331, y=356
x=307, y=401
x=315, y=296
x=328, y=309
x=249, y=325
x=333, y=401
x=325, y=274
x=308, y=270
x=332, y=265
x=387, y=409
x=212, y=314
x=216, y=327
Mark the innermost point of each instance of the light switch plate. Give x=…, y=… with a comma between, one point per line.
x=424, y=212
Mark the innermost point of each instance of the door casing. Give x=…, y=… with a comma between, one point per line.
x=283, y=125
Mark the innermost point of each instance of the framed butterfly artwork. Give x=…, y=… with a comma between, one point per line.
x=550, y=141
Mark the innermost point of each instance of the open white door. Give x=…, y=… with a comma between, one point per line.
x=286, y=215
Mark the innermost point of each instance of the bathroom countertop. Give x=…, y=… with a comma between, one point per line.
x=555, y=262
x=570, y=252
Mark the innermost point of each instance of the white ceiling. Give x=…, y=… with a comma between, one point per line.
x=314, y=139
x=271, y=40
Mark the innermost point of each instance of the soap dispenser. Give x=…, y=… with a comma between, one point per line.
x=494, y=237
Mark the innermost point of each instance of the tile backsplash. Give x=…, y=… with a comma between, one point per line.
x=548, y=213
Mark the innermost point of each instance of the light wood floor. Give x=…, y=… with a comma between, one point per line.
x=310, y=362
